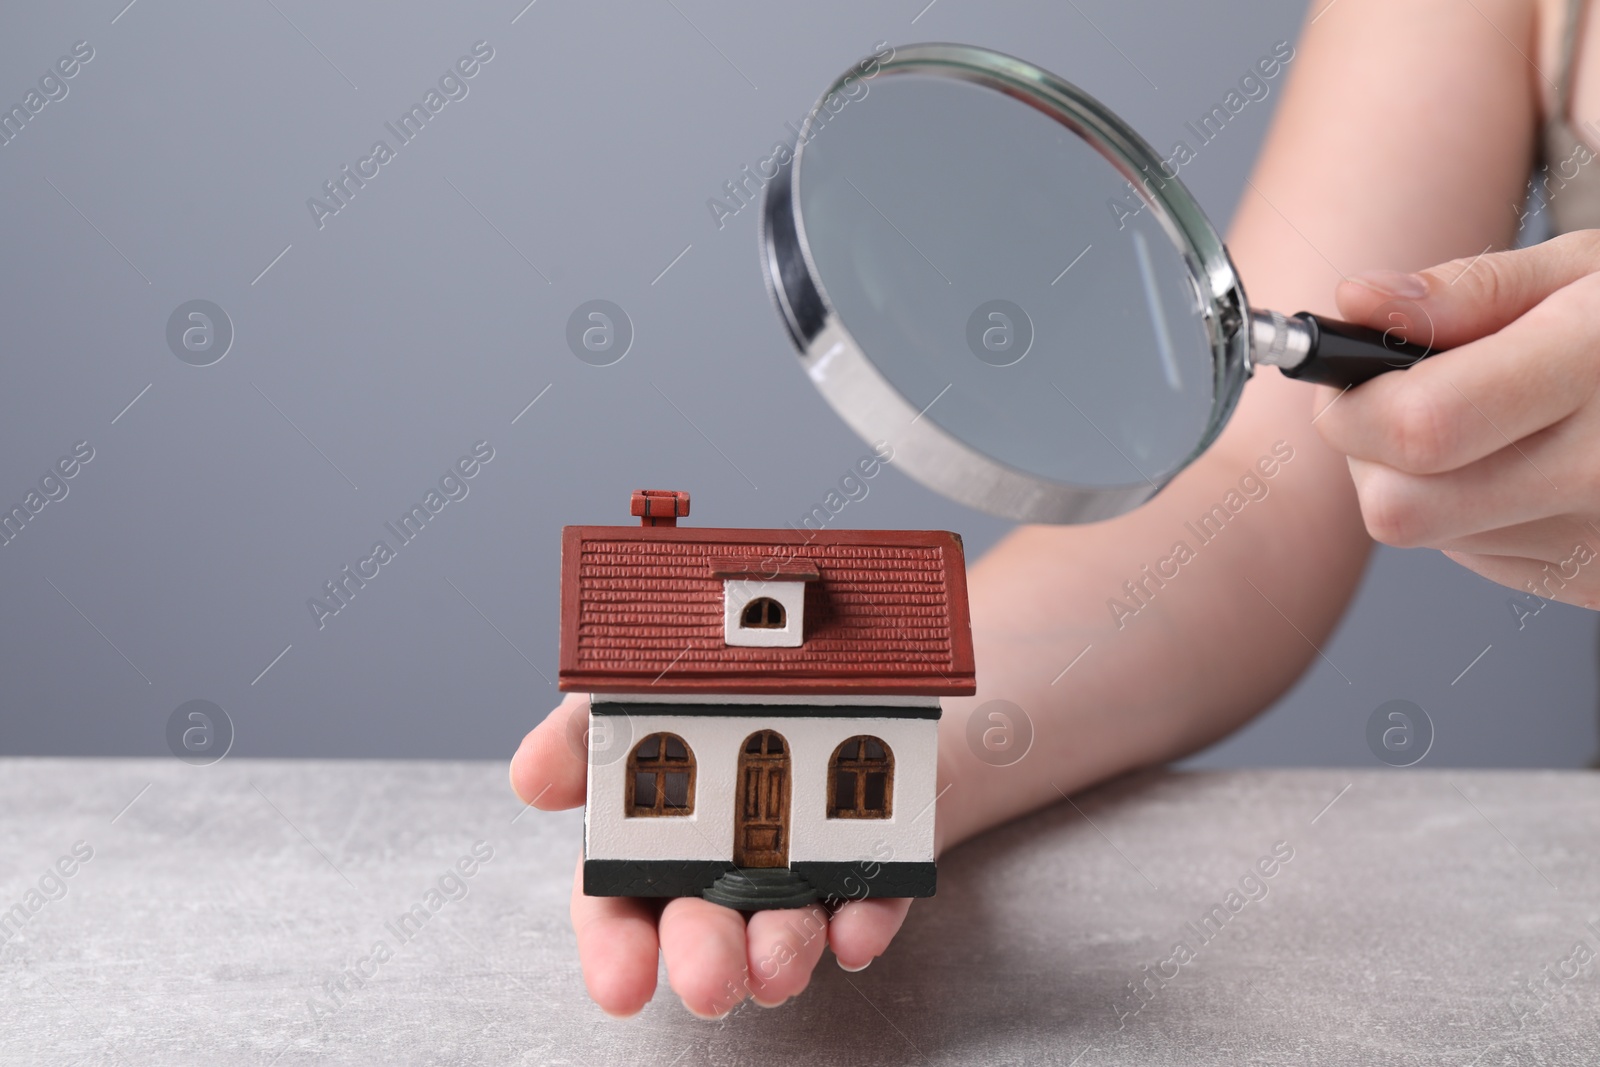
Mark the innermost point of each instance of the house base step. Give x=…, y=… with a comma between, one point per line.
x=760, y=889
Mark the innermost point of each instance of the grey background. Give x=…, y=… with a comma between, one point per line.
x=419, y=320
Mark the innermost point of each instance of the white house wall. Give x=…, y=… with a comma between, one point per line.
x=716, y=741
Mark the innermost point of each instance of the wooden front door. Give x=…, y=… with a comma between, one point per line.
x=761, y=823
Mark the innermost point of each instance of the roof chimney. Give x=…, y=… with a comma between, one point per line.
x=659, y=507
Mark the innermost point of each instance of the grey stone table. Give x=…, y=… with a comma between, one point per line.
x=233, y=914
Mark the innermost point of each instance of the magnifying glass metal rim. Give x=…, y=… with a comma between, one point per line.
x=876, y=410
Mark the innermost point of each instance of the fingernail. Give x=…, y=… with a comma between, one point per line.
x=710, y=1016
x=1393, y=283
x=853, y=970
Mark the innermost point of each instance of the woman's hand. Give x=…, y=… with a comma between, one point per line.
x=1490, y=451
x=715, y=958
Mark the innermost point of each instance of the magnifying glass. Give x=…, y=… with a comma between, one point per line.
x=983, y=265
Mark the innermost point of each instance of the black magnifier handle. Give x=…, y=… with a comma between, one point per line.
x=1312, y=348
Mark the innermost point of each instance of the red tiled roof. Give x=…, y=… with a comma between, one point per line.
x=641, y=612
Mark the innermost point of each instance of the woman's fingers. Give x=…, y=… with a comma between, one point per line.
x=862, y=929
x=617, y=947
x=1460, y=406
x=714, y=958
x=550, y=769
x=1565, y=542
x=1485, y=451
x=1469, y=298
x=1546, y=475
x=783, y=949
x=1539, y=578
x=704, y=947
x=1551, y=559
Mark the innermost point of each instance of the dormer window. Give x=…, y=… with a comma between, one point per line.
x=764, y=600
x=763, y=613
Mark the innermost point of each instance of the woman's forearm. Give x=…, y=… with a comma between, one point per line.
x=1382, y=154
x=1138, y=640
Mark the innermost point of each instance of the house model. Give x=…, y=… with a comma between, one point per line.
x=764, y=705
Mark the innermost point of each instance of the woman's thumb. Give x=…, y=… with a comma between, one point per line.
x=1465, y=299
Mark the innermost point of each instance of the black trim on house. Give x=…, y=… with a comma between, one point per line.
x=859, y=879
x=835, y=881
x=651, y=878
x=769, y=711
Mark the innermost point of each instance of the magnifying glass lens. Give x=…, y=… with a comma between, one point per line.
x=1000, y=273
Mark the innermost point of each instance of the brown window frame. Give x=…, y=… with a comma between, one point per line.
x=660, y=765
x=768, y=605
x=860, y=765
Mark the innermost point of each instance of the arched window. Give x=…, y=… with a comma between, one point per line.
x=861, y=780
x=660, y=777
x=763, y=613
